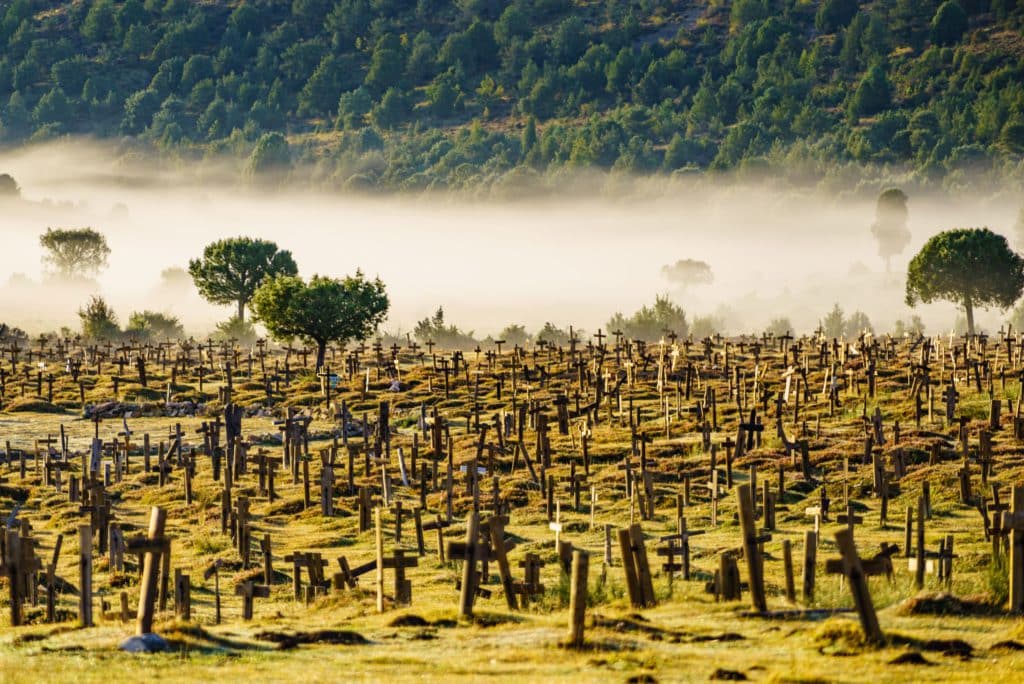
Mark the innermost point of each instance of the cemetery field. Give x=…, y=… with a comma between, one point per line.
x=761, y=508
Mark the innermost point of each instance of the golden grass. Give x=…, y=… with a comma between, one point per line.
x=687, y=637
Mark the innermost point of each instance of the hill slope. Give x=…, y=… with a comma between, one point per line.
x=404, y=95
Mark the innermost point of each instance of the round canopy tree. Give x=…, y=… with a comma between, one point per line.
x=969, y=266
x=321, y=311
x=75, y=252
x=890, y=226
x=231, y=270
x=8, y=187
x=688, y=272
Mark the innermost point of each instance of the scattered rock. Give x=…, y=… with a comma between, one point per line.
x=724, y=637
x=408, y=621
x=724, y=675
x=909, y=658
x=1008, y=645
x=943, y=603
x=338, y=637
x=423, y=635
x=119, y=409
x=144, y=643
x=954, y=647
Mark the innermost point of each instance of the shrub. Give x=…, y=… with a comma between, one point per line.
x=99, y=322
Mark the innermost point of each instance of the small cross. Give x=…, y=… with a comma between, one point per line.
x=556, y=526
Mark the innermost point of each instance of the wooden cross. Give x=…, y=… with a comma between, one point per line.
x=854, y=571
x=677, y=545
x=250, y=591
x=470, y=552
x=399, y=562
x=950, y=396
x=531, y=585
x=439, y=524
x=751, y=428
x=556, y=525
x=850, y=519
x=752, y=547
x=877, y=565
x=154, y=546
x=99, y=513
x=314, y=564
x=1013, y=521
x=214, y=571
x=636, y=568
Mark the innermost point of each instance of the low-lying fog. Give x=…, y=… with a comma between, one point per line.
x=569, y=260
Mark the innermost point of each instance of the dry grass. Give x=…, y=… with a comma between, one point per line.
x=686, y=638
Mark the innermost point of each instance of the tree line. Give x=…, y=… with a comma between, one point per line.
x=970, y=267
x=461, y=93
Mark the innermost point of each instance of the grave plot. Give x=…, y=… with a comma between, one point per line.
x=606, y=506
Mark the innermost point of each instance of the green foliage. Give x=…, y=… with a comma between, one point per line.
x=745, y=12
x=857, y=323
x=231, y=270
x=175, y=278
x=513, y=23
x=9, y=188
x=1016, y=318
x=353, y=107
x=552, y=334
x=471, y=50
x=99, y=322
x=949, y=24
x=392, y=110
x=968, y=266
x=780, y=326
x=9, y=334
x=444, y=96
x=74, y=252
x=706, y=326
x=514, y=334
x=1011, y=138
x=834, y=323
x=890, y=226
x=270, y=158
x=834, y=14
x=386, y=66
x=997, y=576
x=652, y=323
x=52, y=108
x=688, y=272
x=873, y=93
x=99, y=22
x=914, y=327
x=434, y=328
x=70, y=74
x=323, y=310
x=139, y=109
x=151, y=325
x=615, y=86
x=235, y=329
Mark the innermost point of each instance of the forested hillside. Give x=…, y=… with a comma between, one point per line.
x=411, y=94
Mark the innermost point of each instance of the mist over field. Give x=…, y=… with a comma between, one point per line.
x=575, y=258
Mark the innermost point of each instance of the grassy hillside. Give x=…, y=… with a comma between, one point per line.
x=406, y=95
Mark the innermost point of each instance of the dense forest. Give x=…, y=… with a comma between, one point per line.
x=415, y=94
